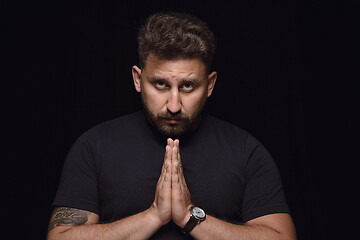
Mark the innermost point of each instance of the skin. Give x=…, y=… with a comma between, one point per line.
x=174, y=89
x=172, y=197
x=179, y=92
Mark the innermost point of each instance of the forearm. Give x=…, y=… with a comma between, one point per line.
x=213, y=228
x=139, y=226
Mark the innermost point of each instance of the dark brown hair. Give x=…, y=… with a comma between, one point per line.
x=170, y=35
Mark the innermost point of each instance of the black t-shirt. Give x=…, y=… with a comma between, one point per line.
x=113, y=168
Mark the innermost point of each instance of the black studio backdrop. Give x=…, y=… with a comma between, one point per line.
x=286, y=72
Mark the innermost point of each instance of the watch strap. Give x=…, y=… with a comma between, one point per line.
x=191, y=224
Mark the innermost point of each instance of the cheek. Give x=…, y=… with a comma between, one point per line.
x=154, y=101
x=192, y=103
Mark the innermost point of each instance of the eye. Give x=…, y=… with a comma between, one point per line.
x=188, y=87
x=160, y=85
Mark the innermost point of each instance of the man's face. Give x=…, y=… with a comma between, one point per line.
x=173, y=92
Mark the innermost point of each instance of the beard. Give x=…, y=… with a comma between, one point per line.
x=183, y=123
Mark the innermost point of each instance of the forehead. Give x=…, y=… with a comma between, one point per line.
x=174, y=68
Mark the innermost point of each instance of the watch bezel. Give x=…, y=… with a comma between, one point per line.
x=194, y=219
x=194, y=213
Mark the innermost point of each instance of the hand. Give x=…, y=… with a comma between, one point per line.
x=161, y=207
x=172, y=196
x=180, y=194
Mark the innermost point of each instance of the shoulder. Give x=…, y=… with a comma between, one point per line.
x=121, y=125
x=219, y=123
x=223, y=129
x=224, y=132
x=112, y=132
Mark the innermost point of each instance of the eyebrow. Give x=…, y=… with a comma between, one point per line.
x=193, y=80
x=156, y=78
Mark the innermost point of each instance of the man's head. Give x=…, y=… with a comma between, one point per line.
x=175, y=52
x=174, y=36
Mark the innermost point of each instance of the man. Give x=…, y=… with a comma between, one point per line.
x=129, y=179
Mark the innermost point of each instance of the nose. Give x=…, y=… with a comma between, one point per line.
x=173, y=104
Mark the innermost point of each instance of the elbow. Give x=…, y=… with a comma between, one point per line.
x=51, y=236
x=288, y=236
x=57, y=233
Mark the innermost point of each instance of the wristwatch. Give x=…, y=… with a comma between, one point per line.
x=197, y=215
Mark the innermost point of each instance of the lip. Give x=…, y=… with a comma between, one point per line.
x=172, y=121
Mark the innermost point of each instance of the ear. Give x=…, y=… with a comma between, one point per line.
x=211, y=82
x=136, y=73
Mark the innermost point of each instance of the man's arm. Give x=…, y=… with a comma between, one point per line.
x=75, y=224
x=273, y=227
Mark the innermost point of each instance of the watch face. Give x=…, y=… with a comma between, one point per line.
x=198, y=213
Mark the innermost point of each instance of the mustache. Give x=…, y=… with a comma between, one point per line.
x=176, y=116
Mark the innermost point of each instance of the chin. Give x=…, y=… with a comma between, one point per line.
x=172, y=131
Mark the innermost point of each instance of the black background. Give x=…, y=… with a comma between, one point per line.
x=286, y=73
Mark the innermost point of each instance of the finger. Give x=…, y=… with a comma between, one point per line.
x=174, y=163
x=178, y=156
x=165, y=167
x=179, y=195
x=166, y=185
x=167, y=162
x=170, y=142
x=180, y=167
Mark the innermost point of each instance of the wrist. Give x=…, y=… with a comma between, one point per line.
x=185, y=221
x=182, y=219
x=197, y=215
x=153, y=219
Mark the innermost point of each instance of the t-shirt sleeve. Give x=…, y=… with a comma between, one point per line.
x=263, y=189
x=78, y=186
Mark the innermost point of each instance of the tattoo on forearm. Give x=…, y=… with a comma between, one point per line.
x=64, y=216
